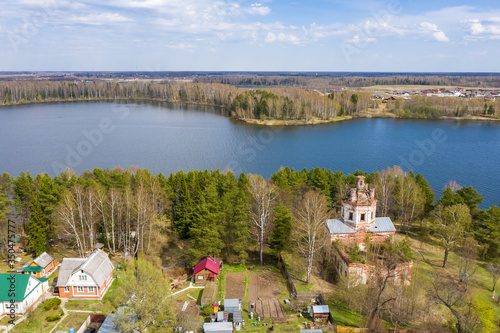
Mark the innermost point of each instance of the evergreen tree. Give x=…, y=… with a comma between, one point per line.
x=183, y=207
x=280, y=237
x=427, y=191
x=22, y=194
x=37, y=229
x=48, y=195
x=204, y=230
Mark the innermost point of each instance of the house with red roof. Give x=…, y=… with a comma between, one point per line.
x=206, y=270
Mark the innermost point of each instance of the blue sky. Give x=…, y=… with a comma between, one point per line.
x=239, y=35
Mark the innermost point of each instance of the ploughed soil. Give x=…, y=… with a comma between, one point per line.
x=263, y=293
x=235, y=285
x=193, y=310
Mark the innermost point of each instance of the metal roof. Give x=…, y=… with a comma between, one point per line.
x=97, y=265
x=336, y=226
x=321, y=309
x=215, y=327
x=238, y=316
x=383, y=224
x=43, y=260
x=33, y=269
x=311, y=331
x=21, y=286
x=231, y=302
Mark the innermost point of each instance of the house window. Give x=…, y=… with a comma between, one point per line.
x=80, y=289
x=351, y=216
x=200, y=277
x=91, y=289
x=83, y=277
x=66, y=289
x=362, y=217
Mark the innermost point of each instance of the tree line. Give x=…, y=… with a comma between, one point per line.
x=276, y=103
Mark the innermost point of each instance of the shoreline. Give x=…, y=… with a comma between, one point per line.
x=260, y=122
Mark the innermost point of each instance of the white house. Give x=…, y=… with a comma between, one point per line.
x=18, y=292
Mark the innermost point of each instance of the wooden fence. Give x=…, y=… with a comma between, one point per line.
x=289, y=281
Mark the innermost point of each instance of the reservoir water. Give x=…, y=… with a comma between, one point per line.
x=169, y=137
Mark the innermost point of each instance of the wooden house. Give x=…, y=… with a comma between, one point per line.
x=206, y=270
x=40, y=267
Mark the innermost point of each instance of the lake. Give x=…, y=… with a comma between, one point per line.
x=169, y=137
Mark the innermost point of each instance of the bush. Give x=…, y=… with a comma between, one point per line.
x=52, y=303
x=53, y=318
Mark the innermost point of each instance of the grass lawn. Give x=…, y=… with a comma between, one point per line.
x=5, y=320
x=39, y=322
x=74, y=319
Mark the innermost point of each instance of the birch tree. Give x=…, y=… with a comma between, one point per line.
x=310, y=227
x=263, y=197
x=449, y=225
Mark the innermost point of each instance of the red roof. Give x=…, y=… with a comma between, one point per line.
x=209, y=263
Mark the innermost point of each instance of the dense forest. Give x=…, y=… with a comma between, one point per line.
x=276, y=103
x=216, y=213
x=210, y=208
x=310, y=80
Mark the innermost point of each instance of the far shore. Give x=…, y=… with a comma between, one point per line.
x=263, y=122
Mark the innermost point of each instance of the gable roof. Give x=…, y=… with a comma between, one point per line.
x=43, y=260
x=209, y=263
x=21, y=284
x=32, y=269
x=97, y=265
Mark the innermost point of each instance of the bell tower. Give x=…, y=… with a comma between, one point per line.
x=359, y=207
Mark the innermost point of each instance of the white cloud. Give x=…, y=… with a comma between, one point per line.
x=433, y=29
x=99, y=19
x=359, y=40
x=483, y=29
x=258, y=9
x=282, y=38
x=180, y=46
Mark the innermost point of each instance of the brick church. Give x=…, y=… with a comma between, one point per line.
x=357, y=220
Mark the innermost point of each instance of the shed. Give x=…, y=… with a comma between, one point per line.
x=224, y=327
x=311, y=331
x=320, y=313
x=238, y=319
x=232, y=304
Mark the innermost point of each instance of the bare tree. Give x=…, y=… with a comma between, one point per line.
x=467, y=253
x=494, y=269
x=453, y=185
x=66, y=212
x=263, y=197
x=408, y=200
x=310, y=227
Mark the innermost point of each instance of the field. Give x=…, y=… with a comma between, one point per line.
x=235, y=285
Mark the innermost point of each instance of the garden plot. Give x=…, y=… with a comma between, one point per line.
x=263, y=293
x=235, y=285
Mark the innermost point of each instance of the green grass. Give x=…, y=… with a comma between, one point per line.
x=5, y=320
x=39, y=324
x=75, y=320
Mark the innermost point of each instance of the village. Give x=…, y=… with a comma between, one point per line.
x=212, y=296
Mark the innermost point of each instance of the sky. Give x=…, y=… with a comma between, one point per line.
x=255, y=35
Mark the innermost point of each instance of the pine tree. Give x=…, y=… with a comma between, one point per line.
x=280, y=237
x=48, y=196
x=183, y=207
x=37, y=228
x=427, y=190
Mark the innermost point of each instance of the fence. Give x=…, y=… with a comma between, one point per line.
x=289, y=281
x=93, y=318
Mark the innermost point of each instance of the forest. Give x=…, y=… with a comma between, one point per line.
x=279, y=103
x=219, y=214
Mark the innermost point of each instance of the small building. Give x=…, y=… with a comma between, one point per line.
x=320, y=313
x=18, y=292
x=40, y=267
x=224, y=327
x=238, y=320
x=206, y=270
x=88, y=277
x=232, y=304
x=311, y=331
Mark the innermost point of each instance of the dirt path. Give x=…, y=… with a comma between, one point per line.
x=235, y=285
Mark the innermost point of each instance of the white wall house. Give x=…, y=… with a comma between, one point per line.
x=18, y=292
